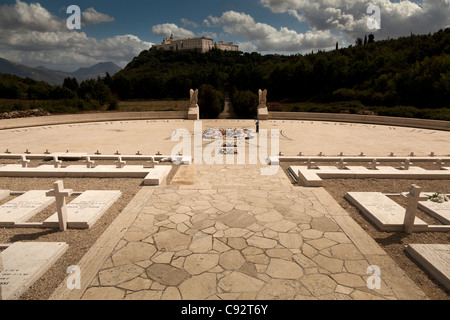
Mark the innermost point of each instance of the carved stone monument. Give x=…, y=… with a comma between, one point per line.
x=263, y=112
x=194, y=109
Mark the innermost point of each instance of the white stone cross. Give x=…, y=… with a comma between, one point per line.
x=440, y=163
x=24, y=162
x=57, y=163
x=151, y=164
x=89, y=163
x=60, y=194
x=310, y=164
x=413, y=198
x=341, y=164
x=120, y=163
x=406, y=164
x=373, y=164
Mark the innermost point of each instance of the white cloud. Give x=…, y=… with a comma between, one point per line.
x=23, y=16
x=68, y=51
x=350, y=16
x=247, y=46
x=168, y=29
x=188, y=23
x=266, y=38
x=91, y=16
x=31, y=35
x=208, y=34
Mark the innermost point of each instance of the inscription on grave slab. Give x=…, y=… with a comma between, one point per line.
x=439, y=211
x=385, y=213
x=86, y=209
x=26, y=262
x=24, y=207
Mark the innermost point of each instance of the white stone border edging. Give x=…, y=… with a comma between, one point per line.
x=354, y=118
x=17, y=123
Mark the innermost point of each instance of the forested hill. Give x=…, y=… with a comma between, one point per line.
x=411, y=71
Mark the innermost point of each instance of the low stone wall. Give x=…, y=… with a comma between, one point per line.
x=353, y=118
x=165, y=115
x=89, y=117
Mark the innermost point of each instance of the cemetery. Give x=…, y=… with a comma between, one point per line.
x=128, y=214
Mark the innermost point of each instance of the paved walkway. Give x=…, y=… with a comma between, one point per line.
x=227, y=232
x=228, y=111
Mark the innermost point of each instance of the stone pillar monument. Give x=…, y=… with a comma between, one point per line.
x=263, y=112
x=194, y=109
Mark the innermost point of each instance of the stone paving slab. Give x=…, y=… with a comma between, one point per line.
x=263, y=239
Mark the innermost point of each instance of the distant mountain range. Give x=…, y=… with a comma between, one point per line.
x=55, y=77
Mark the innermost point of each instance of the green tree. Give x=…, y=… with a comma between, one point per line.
x=211, y=102
x=71, y=84
x=245, y=104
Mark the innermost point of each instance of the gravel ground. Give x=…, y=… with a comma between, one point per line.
x=394, y=242
x=80, y=241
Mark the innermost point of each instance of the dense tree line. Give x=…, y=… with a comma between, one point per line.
x=84, y=96
x=411, y=71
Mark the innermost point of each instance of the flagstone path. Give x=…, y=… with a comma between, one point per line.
x=228, y=232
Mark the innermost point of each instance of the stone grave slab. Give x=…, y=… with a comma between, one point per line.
x=84, y=211
x=157, y=176
x=26, y=262
x=439, y=211
x=4, y=194
x=24, y=207
x=385, y=213
x=435, y=258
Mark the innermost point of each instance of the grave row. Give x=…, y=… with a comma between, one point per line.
x=312, y=175
x=152, y=175
x=388, y=215
x=81, y=213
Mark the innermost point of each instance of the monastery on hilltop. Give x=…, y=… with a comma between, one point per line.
x=202, y=45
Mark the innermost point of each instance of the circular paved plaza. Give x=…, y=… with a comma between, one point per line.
x=149, y=137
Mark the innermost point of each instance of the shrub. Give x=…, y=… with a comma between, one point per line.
x=275, y=107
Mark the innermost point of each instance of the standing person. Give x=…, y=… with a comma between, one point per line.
x=257, y=126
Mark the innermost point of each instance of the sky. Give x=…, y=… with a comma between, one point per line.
x=35, y=32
